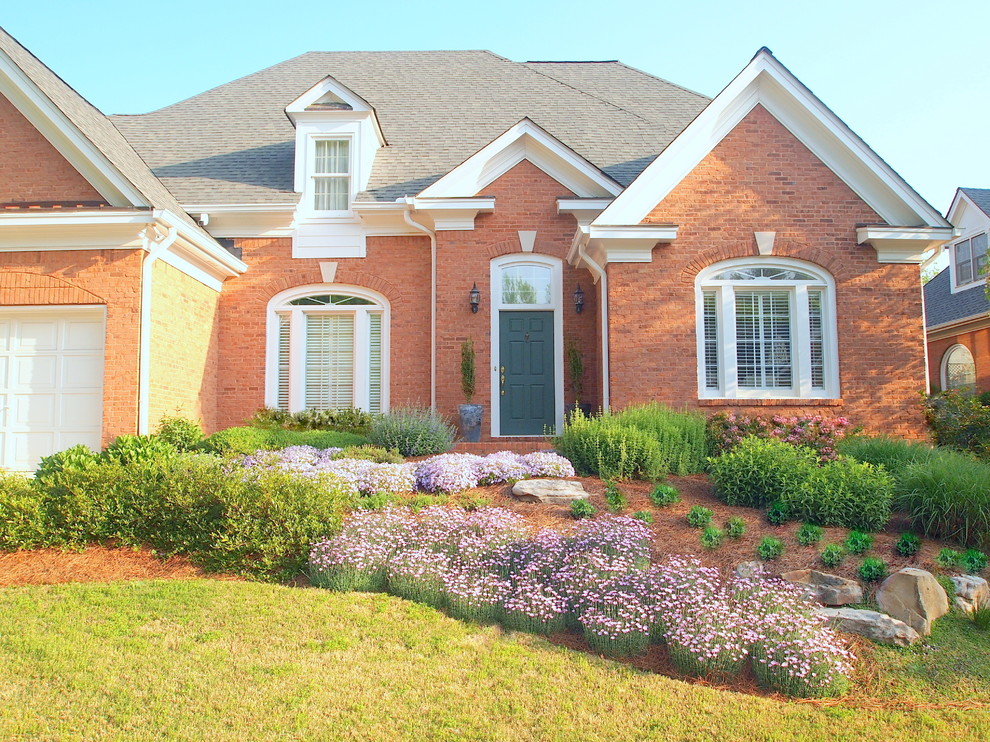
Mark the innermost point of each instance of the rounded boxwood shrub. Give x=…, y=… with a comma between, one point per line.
x=872, y=569
x=22, y=522
x=413, y=431
x=711, y=537
x=663, y=494
x=758, y=472
x=770, y=548
x=832, y=555
x=908, y=544
x=809, y=534
x=858, y=542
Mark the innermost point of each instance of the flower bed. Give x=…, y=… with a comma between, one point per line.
x=598, y=578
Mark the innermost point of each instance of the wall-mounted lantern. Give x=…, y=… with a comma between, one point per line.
x=474, y=298
x=578, y=299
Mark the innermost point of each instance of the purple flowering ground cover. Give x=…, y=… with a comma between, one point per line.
x=598, y=578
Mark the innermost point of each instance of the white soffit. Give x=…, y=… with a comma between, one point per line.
x=524, y=141
x=765, y=81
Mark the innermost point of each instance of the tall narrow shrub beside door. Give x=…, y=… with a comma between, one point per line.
x=470, y=414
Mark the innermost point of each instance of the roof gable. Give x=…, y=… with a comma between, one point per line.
x=965, y=198
x=524, y=141
x=766, y=82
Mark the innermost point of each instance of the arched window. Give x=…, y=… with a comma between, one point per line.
x=327, y=349
x=958, y=369
x=766, y=329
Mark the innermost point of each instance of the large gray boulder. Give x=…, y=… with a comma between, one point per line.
x=915, y=597
x=971, y=591
x=873, y=625
x=549, y=491
x=825, y=588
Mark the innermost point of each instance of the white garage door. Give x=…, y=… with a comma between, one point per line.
x=51, y=382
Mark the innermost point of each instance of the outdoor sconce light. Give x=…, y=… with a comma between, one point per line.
x=578, y=299
x=475, y=298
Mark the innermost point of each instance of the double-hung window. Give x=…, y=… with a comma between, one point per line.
x=766, y=330
x=970, y=259
x=331, y=174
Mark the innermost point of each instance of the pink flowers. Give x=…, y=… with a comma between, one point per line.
x=817, y=432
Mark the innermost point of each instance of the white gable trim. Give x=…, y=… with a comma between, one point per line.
x=766, y=82
x=66, y=137
x=360, y=108
x=524, y=141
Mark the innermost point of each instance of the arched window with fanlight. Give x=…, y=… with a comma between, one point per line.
x=327, y=349
x=766, y=329
x=959, y=369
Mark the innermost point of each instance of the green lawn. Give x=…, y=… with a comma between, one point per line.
x=223, y=660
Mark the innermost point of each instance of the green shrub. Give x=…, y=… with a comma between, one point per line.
x=600, y=445
x=778, y=513
x=872, y=569
x=245, y=440
x=371, y=453
x=832, y=555
x=973, y=562
x=699, y=517
x=663, y=494
x=413, y=431
x=130, y=449
x=644, y=515
x=615, y=500
x=735, y=527
x=757, y=472
x=181, y=432
x=680, y=436
x=711, y=537
x=894, y=454
x=959, y=420
x=809, y=534
x=948, y=558
x=908, y=545
x=77, y=457
x=948, y=496
x=770, y=548
x=858, y=542
x=343, y=420
x=844, y=493
x=22, y=524
x=727, y=429
x=582, y=509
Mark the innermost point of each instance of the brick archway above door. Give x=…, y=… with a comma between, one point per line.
x=21, y=288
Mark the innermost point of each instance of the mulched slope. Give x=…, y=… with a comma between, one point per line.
x=93, y=564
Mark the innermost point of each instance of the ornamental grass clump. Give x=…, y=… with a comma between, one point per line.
x=413, y=431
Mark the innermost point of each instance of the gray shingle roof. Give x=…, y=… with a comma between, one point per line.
x=943, y=307
x=234, y=144
x=980, y=197
x=94, y=126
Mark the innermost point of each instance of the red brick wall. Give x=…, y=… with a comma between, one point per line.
x=111, y=277
x=978, y=342
x=185, y=346
x=32, y=169
x=760, y=178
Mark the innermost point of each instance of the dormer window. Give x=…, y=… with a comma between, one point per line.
x=970, y=259
x=332, y=174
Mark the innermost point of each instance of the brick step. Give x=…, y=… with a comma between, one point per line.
x=516, y=445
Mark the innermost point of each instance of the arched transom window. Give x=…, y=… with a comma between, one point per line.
x=327, y=349
x=958, y=369
x=766, y=329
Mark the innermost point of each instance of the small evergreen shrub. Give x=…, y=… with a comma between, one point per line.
x=778, y=513
x=948, y=558
x=769, y=548
x=973, y=561
x=735, y=527
x=582, y=509
x=614, y=498
x=809, y=534
x=413, y=431
x=602, y=446
x=711, y=537
x=858, y=542
x=22, y=522
x=843, y=492
x=832, y=555
x=872, y=569
x=644, y=515
x=908, y=545
x=680, y=436
x=663, y=494
x=699, y=517
x=181, y=432
x=757, y=472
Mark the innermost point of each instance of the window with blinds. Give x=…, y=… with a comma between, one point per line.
x=711, y=340
x=816, y=332
x=282, y=397
x=329, y=371
x=763, y=340
x=332, y=175
x=375, y=363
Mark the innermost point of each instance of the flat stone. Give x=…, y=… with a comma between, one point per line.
x=825, y=588
x=915, y=597
x=549, y=491
x=972, y=589
x=872, y=624
x=753, y=570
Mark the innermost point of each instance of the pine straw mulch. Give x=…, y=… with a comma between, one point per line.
x=92, y=564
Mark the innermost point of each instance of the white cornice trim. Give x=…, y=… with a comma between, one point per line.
x=618, y=244
x=903, y=244
x=765, y=81
x=525, y=140
x=583, y=209
x=452, y=214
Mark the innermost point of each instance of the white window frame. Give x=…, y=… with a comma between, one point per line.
x=801, y=387
x=556, y=306
x=944, y=365
x=309, y=197
x=978, y=278
x=280, y=305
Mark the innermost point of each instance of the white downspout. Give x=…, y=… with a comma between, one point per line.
x=602, y=281
x=407, y=216
x=155, y=248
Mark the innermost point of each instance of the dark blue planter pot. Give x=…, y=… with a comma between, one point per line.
x=471, y=416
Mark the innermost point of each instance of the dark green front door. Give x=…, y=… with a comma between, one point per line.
x=526, y=373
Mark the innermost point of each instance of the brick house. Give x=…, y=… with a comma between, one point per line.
x=957, y=311
x=329, y=231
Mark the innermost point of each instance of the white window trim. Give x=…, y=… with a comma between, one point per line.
x=977, y=279
x=556, y=306
x=309, y=193
x=800, y=333
x=944, y=364
x=279, y=304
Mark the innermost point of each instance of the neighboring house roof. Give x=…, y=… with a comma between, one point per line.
x=980, y=197
x=942, y=307
x=96, y=128
x=436, y=110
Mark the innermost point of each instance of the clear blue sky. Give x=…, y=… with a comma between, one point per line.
x=909, y=77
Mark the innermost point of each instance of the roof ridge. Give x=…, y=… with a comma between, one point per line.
x=664, y=80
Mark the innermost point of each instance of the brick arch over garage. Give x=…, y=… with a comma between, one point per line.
x=22, y=288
